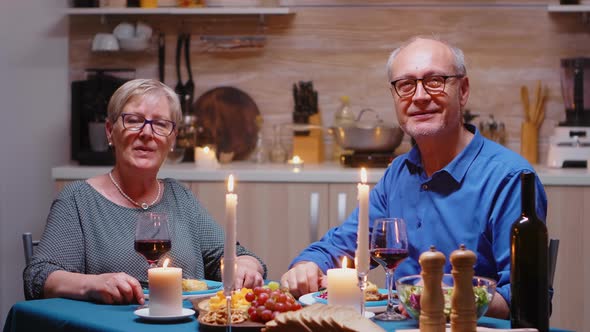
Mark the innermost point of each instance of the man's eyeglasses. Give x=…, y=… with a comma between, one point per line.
x=434, y=85
x=136, y=122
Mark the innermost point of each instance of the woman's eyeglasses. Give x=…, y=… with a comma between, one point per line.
x=136, y=122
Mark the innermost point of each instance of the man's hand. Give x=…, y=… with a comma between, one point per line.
x=248, y=272
x=303, y=278
x=113, y=288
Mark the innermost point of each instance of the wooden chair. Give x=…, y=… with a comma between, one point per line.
x=28, y=245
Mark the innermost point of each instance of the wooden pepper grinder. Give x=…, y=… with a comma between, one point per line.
x=463, y=311
x=432, y=316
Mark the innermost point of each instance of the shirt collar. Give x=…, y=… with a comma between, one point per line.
x=458, y=167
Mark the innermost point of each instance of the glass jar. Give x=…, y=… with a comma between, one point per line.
x=278, y=154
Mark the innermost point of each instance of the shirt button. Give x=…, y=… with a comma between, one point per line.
x=424, y=187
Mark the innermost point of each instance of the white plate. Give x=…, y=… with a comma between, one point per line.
x=308, y=299
x=145, y=314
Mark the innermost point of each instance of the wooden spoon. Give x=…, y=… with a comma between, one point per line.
x=538, y=103
x=524, y=97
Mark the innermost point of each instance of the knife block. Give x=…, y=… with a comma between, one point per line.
x=310, y=148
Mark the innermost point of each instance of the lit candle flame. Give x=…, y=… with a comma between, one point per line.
x=296, y=159
x=166, y=261
x=344, y=262
x=206, y=150
x=363, y=175
x=230, y=183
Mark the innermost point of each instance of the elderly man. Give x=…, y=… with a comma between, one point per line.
x=454, y=187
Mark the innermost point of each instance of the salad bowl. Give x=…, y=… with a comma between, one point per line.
x=409, y=290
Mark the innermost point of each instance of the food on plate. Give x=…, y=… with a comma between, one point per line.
x=371, y=293
x=220, y=317
x=238, y=300
x=192, y=285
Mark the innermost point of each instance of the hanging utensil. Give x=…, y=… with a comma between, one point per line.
x=161, y=56
x=179, y=88
x=189, y=86
x=540, y=107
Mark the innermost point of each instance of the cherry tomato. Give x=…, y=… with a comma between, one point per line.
x=250, y=297
x=266, y=315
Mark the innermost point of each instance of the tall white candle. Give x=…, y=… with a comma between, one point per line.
x=343, y=287
x=229, y=252
x=165, y=285
x=363, y=258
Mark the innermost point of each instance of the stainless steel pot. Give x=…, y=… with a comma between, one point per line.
x=368, y=136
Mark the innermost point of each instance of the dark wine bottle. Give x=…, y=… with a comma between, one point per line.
x=529, y=283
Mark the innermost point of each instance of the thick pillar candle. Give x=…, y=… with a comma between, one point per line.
x=343, y=287
x=363, y=258
x=229, y=253
x=205, y=157
x=165, y=285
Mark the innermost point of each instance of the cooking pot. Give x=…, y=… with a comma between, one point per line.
x=368, y=136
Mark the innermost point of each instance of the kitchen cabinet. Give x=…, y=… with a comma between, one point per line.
x=567, y=220
x=276, y=221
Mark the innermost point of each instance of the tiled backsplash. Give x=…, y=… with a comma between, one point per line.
x=342, y=46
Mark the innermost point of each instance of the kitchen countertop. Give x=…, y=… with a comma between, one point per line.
x=319, y=173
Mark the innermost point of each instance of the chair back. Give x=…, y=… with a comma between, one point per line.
x=553, y=249
x=28, y=244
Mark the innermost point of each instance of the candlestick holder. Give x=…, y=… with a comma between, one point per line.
x=362, y=277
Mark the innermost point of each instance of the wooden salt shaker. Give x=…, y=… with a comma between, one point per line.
x=463, y=310
x=432, y=316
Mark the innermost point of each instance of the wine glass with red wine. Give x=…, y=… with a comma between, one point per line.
x=152, y=239
x=389, y=247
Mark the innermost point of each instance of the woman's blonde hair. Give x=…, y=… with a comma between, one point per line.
x=141, y=88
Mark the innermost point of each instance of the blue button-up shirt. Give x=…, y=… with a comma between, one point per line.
x=473, y=201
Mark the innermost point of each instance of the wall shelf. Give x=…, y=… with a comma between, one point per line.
x=182, y=11
x=582, y=9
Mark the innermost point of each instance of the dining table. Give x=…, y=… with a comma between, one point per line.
x=59, y=314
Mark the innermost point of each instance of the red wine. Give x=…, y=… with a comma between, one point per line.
x=152, y=250
x=529, y=282
x=389, y=258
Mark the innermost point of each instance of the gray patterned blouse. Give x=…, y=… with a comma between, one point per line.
x=87, y=233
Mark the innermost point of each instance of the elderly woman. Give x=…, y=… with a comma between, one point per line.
x=87, y=249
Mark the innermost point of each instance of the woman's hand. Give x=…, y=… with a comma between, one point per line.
x=249, y=272
x=110, y=288
x=114, y=288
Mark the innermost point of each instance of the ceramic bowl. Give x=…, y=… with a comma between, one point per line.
x=124, y=30
x=134, y=43
x=409, y=290
x=105, y=42
x=143, y=30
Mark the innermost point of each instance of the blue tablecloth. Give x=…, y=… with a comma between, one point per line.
x=71, y=315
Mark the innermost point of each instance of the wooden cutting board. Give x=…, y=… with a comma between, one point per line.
x=226, y=117
x=481, y=329
x=200, y=306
